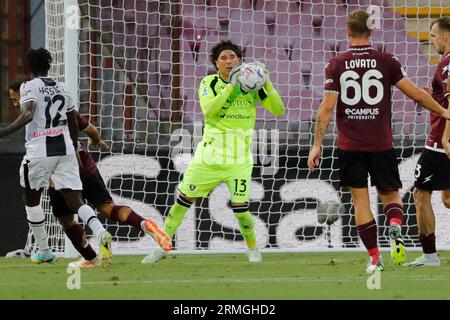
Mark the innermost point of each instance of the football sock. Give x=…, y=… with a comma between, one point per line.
x=247, y=224
x=76, y=234
x=394, y=213
x=133, y=219
x=35, y=217
x=428, y=243
x=176, y=215
x=90, y=218
x=368, y=234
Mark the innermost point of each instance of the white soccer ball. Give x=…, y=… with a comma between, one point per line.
x=18, y=254
x=251, y=77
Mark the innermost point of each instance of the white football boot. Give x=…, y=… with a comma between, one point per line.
x=375, y=264
x=254, y=255
x=426, y=260
x=154, y=256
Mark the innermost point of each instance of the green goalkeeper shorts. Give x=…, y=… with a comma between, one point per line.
x=200, y=179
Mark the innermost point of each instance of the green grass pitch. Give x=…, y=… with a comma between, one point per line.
x=227, y=276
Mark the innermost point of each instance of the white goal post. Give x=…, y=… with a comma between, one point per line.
x=135, y=67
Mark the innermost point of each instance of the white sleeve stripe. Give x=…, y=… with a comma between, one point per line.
x=447, y=94
x=332, y=91
x=29, y=99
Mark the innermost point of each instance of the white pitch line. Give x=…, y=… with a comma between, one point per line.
x=250, y=280
x=222, y=280
x=30, y=266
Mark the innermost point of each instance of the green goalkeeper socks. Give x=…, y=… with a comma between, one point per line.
x=174, y=219
x=247, y=225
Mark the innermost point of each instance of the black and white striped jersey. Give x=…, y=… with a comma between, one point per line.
x=47, y=135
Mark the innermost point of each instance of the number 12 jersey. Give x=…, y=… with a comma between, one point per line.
x=47, y=135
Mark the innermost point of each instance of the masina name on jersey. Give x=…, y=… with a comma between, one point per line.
x=47, y=134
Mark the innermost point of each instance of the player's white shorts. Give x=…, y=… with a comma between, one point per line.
x=63, y=170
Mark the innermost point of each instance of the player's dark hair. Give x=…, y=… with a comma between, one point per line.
x=17, y=82
x=224, y=45
x=443, y=23
x=357, y=23
x=38, y=61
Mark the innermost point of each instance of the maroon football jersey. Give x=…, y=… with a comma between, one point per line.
x=440, y=93
x=363, y=78
x=87, y=161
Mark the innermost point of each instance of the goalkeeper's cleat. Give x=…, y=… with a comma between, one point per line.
x=398, y=250
x=43, y=256
x=105, y=252
x=162, y=238
x=254, y=255
x=82, y=263
x=425, y=260
x=375, y=264
x=154, y=256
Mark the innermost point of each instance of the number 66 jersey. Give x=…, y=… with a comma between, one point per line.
x=47, y=135
x=363, y=78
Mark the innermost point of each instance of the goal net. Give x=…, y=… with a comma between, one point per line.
x=138, y=69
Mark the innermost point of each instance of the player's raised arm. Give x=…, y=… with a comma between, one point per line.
x=421, y=97
x=211, y=103
x=92, y=132
x=96, y=139
x=269, y=96
x=227, y=63
x=324, y=115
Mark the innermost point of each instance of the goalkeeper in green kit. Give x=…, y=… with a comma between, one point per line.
x=224, y=154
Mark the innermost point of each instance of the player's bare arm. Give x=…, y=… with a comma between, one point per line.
x=96, y=139
x=324, y=115
x=422, y=97
x=446, y=135
x=24, y=118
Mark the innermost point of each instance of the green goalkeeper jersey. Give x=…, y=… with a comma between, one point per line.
x=230, y=119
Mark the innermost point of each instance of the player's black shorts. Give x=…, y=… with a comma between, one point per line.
x=382, y=166
x=94, y=191
x=432, y=171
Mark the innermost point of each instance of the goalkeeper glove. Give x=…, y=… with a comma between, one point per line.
x=232, y=77
x=266, y=73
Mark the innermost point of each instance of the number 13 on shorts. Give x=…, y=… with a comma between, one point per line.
x=239, y=189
